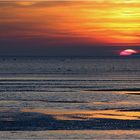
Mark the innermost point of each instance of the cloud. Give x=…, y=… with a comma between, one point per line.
x=68, y=23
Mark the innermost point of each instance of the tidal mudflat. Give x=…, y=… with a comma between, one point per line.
x=69, y=98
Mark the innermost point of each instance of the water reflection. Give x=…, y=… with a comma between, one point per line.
x=86, y=114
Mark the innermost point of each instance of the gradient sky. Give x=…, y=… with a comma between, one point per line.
x=94, y=28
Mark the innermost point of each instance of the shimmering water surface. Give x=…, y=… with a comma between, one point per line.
x=69, y=97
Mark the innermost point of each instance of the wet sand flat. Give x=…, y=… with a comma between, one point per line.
x=72, y=134
x=86, y=98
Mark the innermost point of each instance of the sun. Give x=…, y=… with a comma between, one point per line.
x=128, y=52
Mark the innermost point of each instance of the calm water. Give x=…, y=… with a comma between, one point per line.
x=77, y=97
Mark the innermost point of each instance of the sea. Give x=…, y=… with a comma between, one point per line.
x=69, y=97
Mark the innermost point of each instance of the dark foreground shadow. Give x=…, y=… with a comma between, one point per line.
x=38, y=122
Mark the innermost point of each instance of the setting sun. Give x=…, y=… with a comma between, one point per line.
x=128, y=52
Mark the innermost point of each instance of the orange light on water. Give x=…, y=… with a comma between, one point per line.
x=64, y=114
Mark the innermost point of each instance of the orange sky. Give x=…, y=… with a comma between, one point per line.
x=102, y=22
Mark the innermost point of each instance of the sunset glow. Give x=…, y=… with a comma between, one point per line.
x=61, y=23
x=69, y=69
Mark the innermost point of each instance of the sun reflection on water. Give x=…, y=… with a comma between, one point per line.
x=85, y=114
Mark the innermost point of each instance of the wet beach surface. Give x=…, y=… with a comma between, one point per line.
x=69, y=98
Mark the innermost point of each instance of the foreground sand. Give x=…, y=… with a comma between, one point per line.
x=68, y=134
